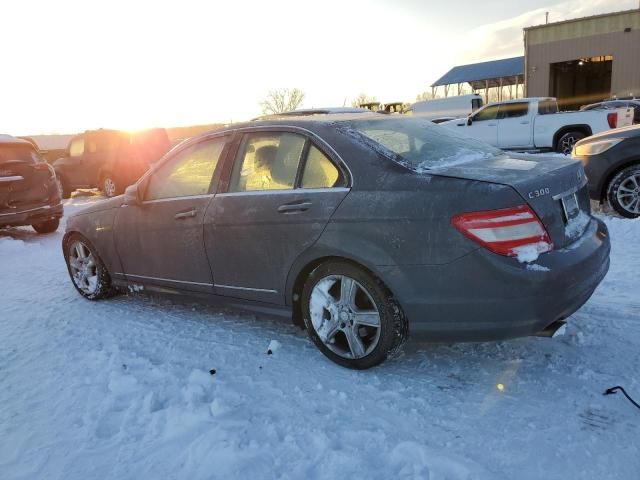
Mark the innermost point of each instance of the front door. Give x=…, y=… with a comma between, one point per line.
x=283, y=190
x=485, y=125
x=160, y=241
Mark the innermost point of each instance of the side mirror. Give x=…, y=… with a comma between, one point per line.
x=132, y=195
x=469, y=120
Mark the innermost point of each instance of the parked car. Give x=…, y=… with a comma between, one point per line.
x=362, y=227
x=303, y=112
x=110, y=160
x=451, y=107
x=612, y=164
x=535, y=123
x=613, y=104
x=28, y=189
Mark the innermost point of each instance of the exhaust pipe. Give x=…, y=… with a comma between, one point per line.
x=553, y=330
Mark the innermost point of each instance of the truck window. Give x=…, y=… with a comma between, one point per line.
x=514, y=110
x=489, y=113
x=546, y=107
x=76, y=148
x=476, y=103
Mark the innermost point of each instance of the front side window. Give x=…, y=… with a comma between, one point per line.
x=319, y=171
x=514, y=110
x=267, y=161
x=188, y=173
x=76, y=148
x=489, y=113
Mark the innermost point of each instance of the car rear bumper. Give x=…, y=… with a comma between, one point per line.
x=28, y=216
x=483, y=296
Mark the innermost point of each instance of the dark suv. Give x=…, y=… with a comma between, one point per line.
x=29, y=194
x=110, y=160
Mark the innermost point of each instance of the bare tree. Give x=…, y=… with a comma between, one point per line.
x=282, y=100
x=426, y=96
x=362, y=99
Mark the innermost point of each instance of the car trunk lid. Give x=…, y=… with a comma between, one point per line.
x=554, y=187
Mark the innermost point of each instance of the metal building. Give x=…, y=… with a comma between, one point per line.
x=584, y=60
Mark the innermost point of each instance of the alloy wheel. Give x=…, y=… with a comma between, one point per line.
x=109, y=187
x=344, y=316
x=84, y=268
x=628, y=194
x=566, y=146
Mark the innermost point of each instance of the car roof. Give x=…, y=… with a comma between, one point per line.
x=314, y=111
x=11, y=140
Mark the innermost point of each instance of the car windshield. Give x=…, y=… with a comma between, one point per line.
x=26, y=153
x=419, y=144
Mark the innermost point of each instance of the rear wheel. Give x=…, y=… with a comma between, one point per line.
x=351, y=316
x=87, y=272
x=567, y=141
x=48, y=226
x=623, y=192
x=108, y=185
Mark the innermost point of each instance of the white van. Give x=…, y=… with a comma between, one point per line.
x=441, y=109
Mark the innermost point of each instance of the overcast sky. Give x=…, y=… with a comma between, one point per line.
x=68, y=66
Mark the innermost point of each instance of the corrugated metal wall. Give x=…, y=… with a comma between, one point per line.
x=590, y=37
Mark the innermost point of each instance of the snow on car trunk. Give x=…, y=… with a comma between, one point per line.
x=122, y=389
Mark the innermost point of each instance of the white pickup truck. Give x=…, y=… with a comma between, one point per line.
x=535, y=123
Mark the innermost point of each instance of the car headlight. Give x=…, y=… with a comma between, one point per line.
x=594, y=148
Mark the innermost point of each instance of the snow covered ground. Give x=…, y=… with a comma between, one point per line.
x=121, y=389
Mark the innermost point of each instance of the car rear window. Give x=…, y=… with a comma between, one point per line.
x=26, y=153
x=419, y=144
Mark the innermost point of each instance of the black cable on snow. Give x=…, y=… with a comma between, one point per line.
x=612, y=390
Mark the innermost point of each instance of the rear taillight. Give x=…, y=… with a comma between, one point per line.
x=612, y=118
x=505, y=231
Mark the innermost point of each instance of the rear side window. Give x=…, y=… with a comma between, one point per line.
x=188, y=173
x=267, y=161
x=514, y=110
x=319, y=171
x=76, y=148
x=547, y=106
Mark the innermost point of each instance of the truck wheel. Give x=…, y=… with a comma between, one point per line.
x=48, y=226
x=567, y=141
x=623, y=192
x=108, y=185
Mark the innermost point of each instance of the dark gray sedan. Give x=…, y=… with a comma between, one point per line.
x=360, y=227
x=612, y=163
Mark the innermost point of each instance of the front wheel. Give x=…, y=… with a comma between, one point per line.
x=351, y=316
x=87, y=272
x=48, y=226
x=567, y=141
x=623, y=192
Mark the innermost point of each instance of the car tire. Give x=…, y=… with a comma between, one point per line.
x=108, y=185
x=567, y=141
x=623, y=192
x=86, y=269
x=63, y=188
x=359, y=328
x=48, y=226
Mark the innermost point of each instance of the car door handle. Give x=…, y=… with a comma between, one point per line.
x=524, y=122
x=294, y=207
x=491, y=124
x=189, y=214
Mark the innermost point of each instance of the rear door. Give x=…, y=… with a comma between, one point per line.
x=283, y=188
x=24, y=177
x=161, y=241
x=514, y=125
